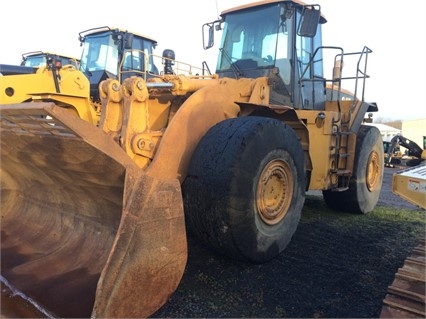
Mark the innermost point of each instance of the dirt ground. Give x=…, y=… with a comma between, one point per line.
x=336, y=266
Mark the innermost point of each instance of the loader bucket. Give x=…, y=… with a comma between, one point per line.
x=84, y=231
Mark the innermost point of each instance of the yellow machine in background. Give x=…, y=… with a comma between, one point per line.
x=104, y=167
x=410, y=184
x=41, y=58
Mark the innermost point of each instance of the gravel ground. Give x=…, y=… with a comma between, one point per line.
x=336, y=266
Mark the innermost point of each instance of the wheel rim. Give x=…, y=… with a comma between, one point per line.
x=274, y=192
x=373, y=171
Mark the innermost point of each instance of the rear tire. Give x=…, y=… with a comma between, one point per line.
x=246, y=188
x=366, y=182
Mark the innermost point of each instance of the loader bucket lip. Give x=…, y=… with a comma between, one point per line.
x=74, y=206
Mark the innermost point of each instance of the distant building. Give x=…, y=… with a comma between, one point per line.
x=415, y=130
x=388, y=132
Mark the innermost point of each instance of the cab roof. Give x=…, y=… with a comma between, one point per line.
x=33, y=53
x=106, y=28
x=265, y=2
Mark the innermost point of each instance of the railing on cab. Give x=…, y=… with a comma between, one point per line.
x=170, y=66
x=337, y=77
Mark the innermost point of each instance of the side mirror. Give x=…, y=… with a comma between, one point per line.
x=208, y=33
x=128, y=41
x=309, y=22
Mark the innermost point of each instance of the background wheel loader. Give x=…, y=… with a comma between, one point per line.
x=40, y=58
x=100, y=182
x=33, y=60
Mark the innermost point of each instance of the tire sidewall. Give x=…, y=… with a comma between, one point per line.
x=252, y=234
x=369, y=141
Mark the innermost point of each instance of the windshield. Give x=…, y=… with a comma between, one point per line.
x=99, y=53
x=34, y=61
x=40, y=60
x=251, y=38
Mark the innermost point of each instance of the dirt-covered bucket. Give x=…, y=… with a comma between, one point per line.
x=84, y=231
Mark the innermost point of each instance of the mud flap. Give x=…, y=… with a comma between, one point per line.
x=83, y=230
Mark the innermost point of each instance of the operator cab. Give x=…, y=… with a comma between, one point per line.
x=38, y=59
x=278, y=41
x=115, y=54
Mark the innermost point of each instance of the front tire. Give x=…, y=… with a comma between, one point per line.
x=246, y=188
x=366, y=182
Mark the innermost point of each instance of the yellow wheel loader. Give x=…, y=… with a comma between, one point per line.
x=100, y=182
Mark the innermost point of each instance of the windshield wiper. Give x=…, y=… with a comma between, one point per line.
x=234, y=67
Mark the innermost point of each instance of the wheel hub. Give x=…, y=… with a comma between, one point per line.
x=274, y=191
x=373, y=171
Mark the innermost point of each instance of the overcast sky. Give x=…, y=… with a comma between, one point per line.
x=393, y=30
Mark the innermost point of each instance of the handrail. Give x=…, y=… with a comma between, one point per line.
x=179, y=68
x=339, y=58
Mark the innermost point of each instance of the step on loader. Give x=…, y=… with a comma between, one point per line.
x=105, y=167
